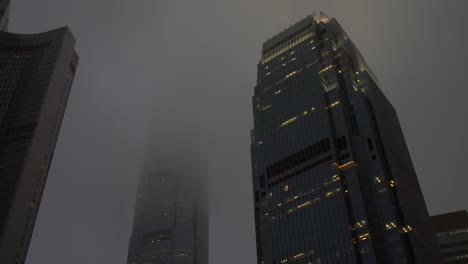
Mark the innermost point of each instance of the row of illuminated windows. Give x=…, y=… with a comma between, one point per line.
x=290, y=43
x=295, y=118
x=453, y=232
x=304, y=204
x=288, y=75
x=282, y=64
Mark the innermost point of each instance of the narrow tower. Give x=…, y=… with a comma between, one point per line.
x=333, y=179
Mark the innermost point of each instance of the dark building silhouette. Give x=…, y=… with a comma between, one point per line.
x=4, y=11
x=171, y=219
x=452, y=234
x=333, y=179
x=36, y=74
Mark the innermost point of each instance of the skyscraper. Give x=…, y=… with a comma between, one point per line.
x=36, y=74
x=171, y=219
x=4, y=10
x=333, y=179
x=452, y=234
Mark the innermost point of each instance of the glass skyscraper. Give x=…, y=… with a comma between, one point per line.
x=36, y=75
x=333, y=179
x=171, y=219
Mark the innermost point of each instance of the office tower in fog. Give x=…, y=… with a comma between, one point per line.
x=36, y=74
x=171, y=219
x=333, y=178
x=452, y=234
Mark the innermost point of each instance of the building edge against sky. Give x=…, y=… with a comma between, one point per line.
x=333, y=179
x=36, y=75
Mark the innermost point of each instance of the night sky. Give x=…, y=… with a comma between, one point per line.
x=183, y=72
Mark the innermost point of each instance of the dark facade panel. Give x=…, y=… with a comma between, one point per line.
x=36, y=75
x=333, y=179
x=452, y=234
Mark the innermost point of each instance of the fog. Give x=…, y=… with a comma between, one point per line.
x=169, y=77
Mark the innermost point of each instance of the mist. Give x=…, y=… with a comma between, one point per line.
x=170, y=81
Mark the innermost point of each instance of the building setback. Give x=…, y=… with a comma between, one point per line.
x=333, y=179
x=452, y=234
x=36, y=74
x=171, y=220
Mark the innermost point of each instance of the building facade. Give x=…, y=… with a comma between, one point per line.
x=36, y=75
x=170, y=222
x=4, y=11
x=452, y=234
x=333, y=179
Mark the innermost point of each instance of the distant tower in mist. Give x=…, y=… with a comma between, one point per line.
x=36, y=75
x=170, y=225
x=333, y=179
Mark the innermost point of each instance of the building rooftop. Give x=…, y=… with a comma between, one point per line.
x=450, y=221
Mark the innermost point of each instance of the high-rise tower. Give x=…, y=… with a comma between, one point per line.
x=36, y=74
x=333, y=179
x=171, y=218
x=4, y=12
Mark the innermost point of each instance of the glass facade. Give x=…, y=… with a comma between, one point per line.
x=170, y=223
x=333, y=179
x=36, y=75
x=452, y=234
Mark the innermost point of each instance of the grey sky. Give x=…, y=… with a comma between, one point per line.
x=190, y=66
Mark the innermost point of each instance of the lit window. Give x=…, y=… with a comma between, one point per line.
x=334, y=104
x=390, y=225
x=364, y=236
x=265, y=108
x=289, y=121
x=326, y=68
x=286, y=188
